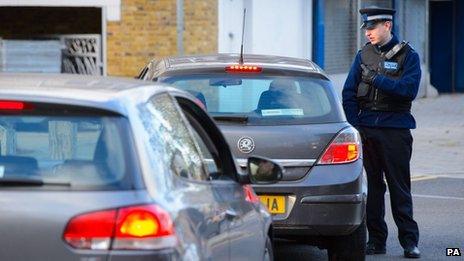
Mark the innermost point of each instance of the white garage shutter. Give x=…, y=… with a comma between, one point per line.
x=40, y=56
x=340, y=22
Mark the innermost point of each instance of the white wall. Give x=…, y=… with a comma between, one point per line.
x=272, y=27
x=230, y=14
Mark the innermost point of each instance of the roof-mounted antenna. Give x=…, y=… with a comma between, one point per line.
x=243, y=32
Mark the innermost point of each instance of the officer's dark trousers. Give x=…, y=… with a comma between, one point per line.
x=387, y=151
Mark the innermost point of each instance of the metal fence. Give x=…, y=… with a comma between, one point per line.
x=81, y=54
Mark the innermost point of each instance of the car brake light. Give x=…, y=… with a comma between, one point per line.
x=135, y=227
x=250, y=194
x=14, y=105
x=243, y=69
x=345, y=148
x=91, y=230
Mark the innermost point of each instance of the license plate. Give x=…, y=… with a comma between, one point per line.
x=274, y=204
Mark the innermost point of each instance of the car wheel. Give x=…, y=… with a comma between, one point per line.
x=349, y=247
x=268, y=251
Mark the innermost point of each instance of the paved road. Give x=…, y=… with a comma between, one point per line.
x=439, y=211
x=437, y=168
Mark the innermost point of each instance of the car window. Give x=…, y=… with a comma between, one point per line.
x=208, y=149
x=171, y=137
x=263, y=99
x=209, y=161
x=85, y=152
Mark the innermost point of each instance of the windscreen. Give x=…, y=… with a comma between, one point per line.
x=72, y=152
x=263, y=100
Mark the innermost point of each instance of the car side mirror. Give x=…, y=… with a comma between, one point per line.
x=263, y=171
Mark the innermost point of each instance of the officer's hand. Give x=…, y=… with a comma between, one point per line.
x=368, y=75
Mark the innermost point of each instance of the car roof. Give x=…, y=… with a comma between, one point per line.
x=225, y=59
x=108, y=93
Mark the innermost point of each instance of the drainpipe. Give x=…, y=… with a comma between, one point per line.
x=103, y=55
x=318, y=26
x=180, y=27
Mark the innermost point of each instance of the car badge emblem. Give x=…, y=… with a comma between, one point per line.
x=246, y=145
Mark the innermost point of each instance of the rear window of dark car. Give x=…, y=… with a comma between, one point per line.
x=76, y=152
x=263, y=99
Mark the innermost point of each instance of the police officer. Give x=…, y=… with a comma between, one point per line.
x=377, y=96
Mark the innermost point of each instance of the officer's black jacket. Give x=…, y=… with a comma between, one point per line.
x=407, y=86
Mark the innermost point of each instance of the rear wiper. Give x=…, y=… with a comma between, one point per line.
x=231, y=118
x=20, y=182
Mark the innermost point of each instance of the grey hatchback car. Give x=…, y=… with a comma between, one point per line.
x=110, y=169
x=285, y=109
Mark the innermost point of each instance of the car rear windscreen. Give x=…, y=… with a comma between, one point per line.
x=263, y=99
x=77, y=152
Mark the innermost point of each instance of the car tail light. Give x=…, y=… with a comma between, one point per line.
x=144, y=227
x=14, y=105
x=250, y=194
x=243, y=69
x=134, y=227
x=345, y=148
x=91, y=231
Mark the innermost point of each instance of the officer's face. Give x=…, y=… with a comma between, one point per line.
x=380, y=33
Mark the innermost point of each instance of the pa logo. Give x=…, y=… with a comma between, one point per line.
x=453, y=251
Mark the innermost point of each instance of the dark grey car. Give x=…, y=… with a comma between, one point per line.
x=112, y=169
x=285, y=109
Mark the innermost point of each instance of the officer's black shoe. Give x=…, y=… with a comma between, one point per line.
x=412, y=252
x=375, y=249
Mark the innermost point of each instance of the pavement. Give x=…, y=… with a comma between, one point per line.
x=438, y=148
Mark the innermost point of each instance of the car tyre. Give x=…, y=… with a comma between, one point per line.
x=349, y=247
x=268, y=250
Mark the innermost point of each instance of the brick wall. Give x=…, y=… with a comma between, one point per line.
x=201, y=28
x=147, y=30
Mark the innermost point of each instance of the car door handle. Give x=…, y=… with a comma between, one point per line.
x=230, y=214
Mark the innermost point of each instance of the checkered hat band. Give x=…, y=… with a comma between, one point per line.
x=378, y=17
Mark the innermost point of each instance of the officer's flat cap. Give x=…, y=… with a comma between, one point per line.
x=372, y=15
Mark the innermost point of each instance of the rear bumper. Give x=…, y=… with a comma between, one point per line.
x=329, y=201
x=167, y=254
x=316, y=216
